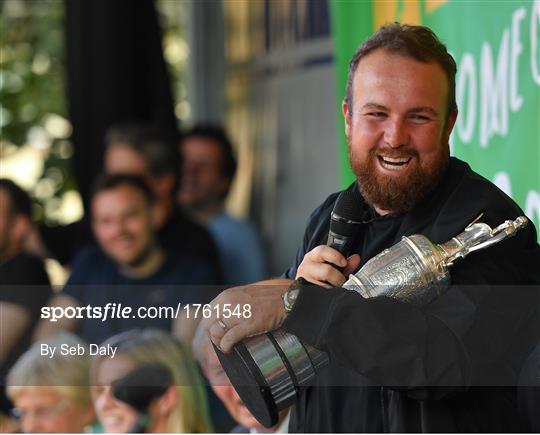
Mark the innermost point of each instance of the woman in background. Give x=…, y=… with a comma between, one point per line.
x=177, y=405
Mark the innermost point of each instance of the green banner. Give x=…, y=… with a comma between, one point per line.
x=496, y=45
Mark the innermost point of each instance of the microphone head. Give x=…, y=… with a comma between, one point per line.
x=349, y=206
x=141, y=386
x=347, y=214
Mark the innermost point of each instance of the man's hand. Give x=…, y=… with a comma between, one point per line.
x=266, y=307
x=319, y=266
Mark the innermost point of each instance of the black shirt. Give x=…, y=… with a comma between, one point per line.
x=96, y=280
x=188, y=238
x=435, y=362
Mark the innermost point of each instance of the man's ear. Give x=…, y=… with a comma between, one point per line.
x=347, y=117
x=450, y=123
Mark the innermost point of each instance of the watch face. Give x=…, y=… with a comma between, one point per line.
x=290, y=298
x=293, y=295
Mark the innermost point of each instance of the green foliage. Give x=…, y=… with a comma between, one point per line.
x=33, y=99
x=171, y=15
x=33, y=107
x=31, y=65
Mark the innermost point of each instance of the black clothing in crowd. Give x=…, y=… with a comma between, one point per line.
x=25, y=283
x=450, y=366
x=188, y=238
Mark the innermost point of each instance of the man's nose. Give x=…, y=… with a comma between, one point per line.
x=116, y=227
x=396, y=134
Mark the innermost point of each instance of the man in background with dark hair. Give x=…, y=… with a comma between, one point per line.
x=128, y=266
x=144, y=150
x=208, y=169
x=24, y=284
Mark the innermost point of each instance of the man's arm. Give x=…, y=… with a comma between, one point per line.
x=455, y=341
x=384, y=339
x=47, y=327
x=390, y=342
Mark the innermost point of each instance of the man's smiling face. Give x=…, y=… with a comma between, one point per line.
x=397, y=129
x=122, y=222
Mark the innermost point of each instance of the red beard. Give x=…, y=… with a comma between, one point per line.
x=397, y=194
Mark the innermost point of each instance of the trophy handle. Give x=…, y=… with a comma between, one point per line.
x=504, y=230
x=478, y=236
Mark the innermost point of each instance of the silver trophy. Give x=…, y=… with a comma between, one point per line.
x=268, y=369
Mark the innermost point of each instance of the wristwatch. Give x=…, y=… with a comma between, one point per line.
x=290, y=296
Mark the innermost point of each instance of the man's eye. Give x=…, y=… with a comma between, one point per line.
x=420, y=118
x=377, y=114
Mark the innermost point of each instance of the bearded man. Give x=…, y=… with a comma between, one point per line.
x=451, y=365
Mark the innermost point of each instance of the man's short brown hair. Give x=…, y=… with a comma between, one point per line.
x=112, y=181
x=417, y=42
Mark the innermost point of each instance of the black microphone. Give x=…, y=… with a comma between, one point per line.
x=345, y=222
x=139, y=388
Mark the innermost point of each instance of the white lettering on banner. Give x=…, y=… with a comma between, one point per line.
x=516, y=100
x=498, y=78
x=532, y=205
x=493, y=91
x=535, y=41
x=502, y=181
x=488, y=88
x=466, y=76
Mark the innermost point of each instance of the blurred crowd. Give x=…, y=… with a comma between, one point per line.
x=156, y=235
